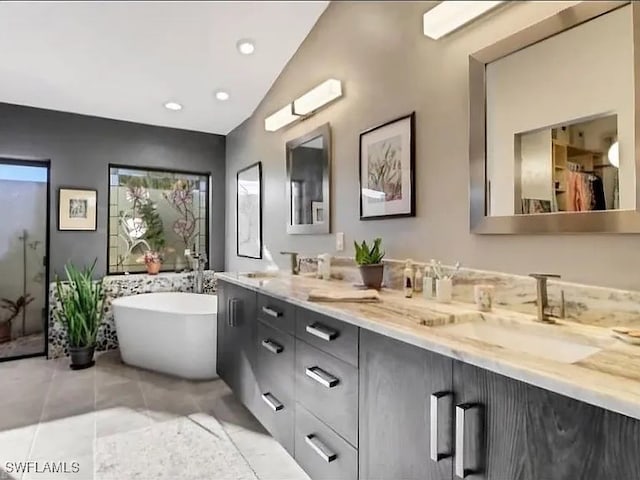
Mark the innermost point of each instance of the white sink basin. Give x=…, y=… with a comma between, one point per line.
x=529, y=340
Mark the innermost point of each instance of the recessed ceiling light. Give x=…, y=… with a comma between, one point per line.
x=222, y=95
x=173, y=106
x=246, y=47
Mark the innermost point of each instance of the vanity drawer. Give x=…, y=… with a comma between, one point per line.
x=276, y=357
x=328, y=334
x=328, y=388
x=320, y=451
x=276, y=313
x=276, y=412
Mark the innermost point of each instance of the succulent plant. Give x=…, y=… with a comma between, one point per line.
x=369, y=255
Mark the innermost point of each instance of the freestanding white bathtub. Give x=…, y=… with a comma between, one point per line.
x=171, y=332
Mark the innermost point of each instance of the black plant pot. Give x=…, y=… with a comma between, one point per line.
x=372, y=275
x=81, y=357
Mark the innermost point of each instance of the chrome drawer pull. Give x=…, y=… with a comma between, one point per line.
x=273, y=402
x=435, y=454
x=272, y=346
x=320, y=448
x=320, y=331
x=271, y=312
x=461, y=431
x=323, y=378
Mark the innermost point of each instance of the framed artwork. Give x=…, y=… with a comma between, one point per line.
x=77, y=209
x=387, y=170
x=317, y=212
x=249, y=211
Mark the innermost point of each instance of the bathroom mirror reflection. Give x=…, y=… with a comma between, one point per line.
x=566, y=168
x=308, y=164
x=553, y=125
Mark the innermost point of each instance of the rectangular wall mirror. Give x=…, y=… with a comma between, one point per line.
x=553, y=125
x=308, y=176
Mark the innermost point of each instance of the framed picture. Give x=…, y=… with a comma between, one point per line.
x=317, y=212
x=387, y=170
x=249, y=211
x=77, y=209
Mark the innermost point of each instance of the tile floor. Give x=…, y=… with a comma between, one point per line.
x=49, y=413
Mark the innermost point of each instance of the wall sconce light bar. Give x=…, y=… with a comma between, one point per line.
x=279, y=119
x=448, y=16
x=318, y=97
x=304, y=106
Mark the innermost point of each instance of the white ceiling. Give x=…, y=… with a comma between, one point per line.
x=124, y=60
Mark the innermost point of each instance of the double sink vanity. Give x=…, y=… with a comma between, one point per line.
x=411, y=388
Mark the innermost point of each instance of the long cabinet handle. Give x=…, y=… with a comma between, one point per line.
x=273, y=402
x=320, y=448
x=233, y=312
x=273, y=347
x=460, y=467
x=322, y=331
x=271, y=312
x=323, y=378
x=434, y=449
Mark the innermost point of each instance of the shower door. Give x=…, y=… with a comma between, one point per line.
x=24, y=227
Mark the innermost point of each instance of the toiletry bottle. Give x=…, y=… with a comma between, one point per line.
x=407, y=281
x=427, y=283
x=417, y=281
x=324, y=266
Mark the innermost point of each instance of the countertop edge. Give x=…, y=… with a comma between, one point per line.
x=577, y=392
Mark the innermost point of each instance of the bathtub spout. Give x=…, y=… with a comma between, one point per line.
x=198, y=280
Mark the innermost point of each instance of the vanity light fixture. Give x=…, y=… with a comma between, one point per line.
x=245, y=46
x=305, y=105
x=317, y=97
x=222, y=95
x=281, y=118
x=175, y=106
x=449, y=15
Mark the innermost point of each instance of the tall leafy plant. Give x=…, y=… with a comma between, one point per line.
x=369, y=255
x=81, y=301
x=155, y=228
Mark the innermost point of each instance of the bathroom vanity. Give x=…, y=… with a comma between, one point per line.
x=379, y=391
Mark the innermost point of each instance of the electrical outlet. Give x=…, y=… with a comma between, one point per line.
x=340, y=241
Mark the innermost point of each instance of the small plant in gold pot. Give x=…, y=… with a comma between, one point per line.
x=369, y=260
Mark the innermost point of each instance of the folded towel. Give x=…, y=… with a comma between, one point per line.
x=362, y=296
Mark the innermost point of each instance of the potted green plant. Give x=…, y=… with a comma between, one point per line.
x=154, y=236
x=369, y=260
x=81, y=301
x=14, y=307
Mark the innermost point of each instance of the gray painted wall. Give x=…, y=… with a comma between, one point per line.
x=389, y=68
x=81, y=147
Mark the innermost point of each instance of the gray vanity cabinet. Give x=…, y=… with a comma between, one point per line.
x=236, y=352
x=512, y=430
x=399, y=427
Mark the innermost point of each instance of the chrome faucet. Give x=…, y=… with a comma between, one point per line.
x=545, y=311
x=295, y=264
x=198, y=280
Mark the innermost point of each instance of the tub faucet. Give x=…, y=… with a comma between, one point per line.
x=198, y=280
x=545, y=311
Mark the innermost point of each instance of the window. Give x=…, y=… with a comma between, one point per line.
x=157, y=210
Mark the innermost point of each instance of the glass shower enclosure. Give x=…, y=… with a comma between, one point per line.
x=24, y=213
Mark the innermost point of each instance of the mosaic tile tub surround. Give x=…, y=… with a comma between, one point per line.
x=121, y=286
x=599, y=306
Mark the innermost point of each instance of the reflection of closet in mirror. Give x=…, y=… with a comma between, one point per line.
x=568, y=168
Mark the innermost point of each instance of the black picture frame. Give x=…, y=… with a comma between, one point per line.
x=412, y=167
x=258, y=166
x=94, y=226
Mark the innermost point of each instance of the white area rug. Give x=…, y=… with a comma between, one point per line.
x=187, y=448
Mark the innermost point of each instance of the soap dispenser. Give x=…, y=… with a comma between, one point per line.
x=407, y=281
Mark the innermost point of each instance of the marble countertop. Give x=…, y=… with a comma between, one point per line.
x=608, y=378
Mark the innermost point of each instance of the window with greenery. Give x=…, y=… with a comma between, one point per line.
x=155, y=210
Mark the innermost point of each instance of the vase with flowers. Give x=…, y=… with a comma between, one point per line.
x=154, y=236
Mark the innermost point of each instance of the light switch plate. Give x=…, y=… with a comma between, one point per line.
x=340, y=241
